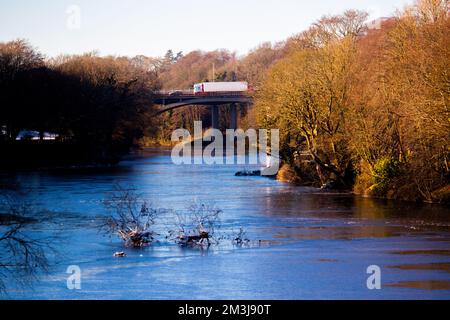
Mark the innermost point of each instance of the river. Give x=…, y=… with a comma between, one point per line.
x=305, y=243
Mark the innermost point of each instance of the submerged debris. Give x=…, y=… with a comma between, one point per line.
x=119, y=254
x=132, y=218
x=247, y=173
x=136, y=238
x=194, y=240
x=241, y=238
x=196, y=226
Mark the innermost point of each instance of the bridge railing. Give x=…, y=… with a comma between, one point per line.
x=189, y=94
x=175, y=92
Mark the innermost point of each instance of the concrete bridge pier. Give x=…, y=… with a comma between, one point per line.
x=215, y=123
x=233, y=116
x=215, y=117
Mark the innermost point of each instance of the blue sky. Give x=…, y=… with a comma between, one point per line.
x=150, y=27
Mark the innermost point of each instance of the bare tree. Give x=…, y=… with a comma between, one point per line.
x=197, y=225
x=132, y=218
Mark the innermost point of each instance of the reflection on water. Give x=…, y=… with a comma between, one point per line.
x=312, y=244
x=337, y=232
x=425, y=285
x=430, y=252
x=429, y=266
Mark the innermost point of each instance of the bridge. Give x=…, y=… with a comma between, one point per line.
x=171, y=100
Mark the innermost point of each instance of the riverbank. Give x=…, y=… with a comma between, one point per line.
x=29, y=155
x=366, y=186
x=150, y=142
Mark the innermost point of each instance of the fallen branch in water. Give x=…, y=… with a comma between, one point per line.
x=132, y=218
x=196, y=226
x=240, y=238
x=194, y=240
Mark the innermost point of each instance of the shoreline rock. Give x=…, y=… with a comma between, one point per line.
x=248, y=173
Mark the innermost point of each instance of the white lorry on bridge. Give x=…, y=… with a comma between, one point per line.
x=220, y=87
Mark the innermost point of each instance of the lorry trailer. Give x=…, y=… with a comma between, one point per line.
x=220, y=87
